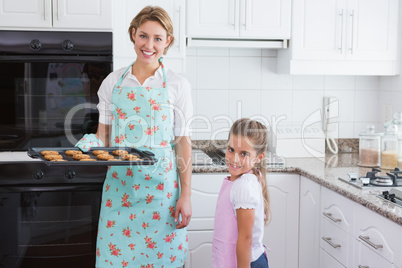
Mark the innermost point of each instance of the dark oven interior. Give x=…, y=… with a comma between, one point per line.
x=49, y=83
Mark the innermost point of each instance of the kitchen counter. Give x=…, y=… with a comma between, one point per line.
x=325, y=171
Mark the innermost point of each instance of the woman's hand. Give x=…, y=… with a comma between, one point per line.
x=183, y=207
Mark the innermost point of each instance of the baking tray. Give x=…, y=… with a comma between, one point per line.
x=148, y=158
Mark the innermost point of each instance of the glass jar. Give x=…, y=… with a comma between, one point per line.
x=389, y=148
x=399, y=151
x=369, y=148
x=397, y=120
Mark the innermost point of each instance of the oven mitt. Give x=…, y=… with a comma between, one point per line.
x=89, y=141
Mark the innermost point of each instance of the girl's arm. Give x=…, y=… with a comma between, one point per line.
x=185, y=167
x=103, y=133
x=245, y=224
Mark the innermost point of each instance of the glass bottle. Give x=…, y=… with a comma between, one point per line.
x=400, y=152
x=389, y=148
x=369, y=148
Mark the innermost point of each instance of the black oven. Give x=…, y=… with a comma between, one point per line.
x=48, y=85
x=49, y=215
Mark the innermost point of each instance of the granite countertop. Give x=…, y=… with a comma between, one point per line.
x=326, y=171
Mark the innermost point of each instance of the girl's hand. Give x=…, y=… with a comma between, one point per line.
x=183, y=207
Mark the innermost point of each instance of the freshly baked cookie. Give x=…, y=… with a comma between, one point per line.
x=120, y=152
x=105, y=156
x=73, y=152
x=130, y=157
x=113, y=159
x=81, y=156
x=87, y=159
x=49, y=152
x=58, y=160
x=52, y=156
x=96, y=152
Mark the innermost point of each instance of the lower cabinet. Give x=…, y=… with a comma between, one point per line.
x=199, y=249
x=327, y=261
x=282, y=234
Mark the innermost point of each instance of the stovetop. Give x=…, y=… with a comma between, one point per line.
x=391, y=179
x=394, y=196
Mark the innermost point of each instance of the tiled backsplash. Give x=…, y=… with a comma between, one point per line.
x=231, y=83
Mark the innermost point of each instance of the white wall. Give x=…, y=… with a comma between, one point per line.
x=223, y=78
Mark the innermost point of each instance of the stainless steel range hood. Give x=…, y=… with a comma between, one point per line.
x=237, y=43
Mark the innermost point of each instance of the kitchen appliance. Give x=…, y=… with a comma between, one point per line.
x=394, y=196
x=49, y=83
x=390, y=179
x=49, y=214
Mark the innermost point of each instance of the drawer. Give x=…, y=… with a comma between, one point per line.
x=365, y=257
x=338, y=209
x=379, y=234
x=328, y=261
x=337, y=242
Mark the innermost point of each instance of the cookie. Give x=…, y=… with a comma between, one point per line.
x=130, y=157
x=87, y=159
x=96, y=152
x=113, y=159
x=49, y=152
x=105, y=156
x=73, y=152
x=81, y=156
x=120, y=152
x=53, y=156
x=58, y=160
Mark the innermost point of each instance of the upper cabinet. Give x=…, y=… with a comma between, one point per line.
x=56, y=14
x=123, y=49
x=240, y=19
x=341, y=37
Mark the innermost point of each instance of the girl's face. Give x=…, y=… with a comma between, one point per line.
x=241, y=157
x=150, y=40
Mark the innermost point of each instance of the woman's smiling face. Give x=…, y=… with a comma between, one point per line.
x=240, y=156
x=150, y=41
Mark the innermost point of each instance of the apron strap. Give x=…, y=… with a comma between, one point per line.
x=118, y=84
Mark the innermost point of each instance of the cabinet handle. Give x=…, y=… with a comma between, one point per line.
x=363, y=266
x=234, y=14
x=246, y=15
x=341, y=31
x=352, y=15
x=329, y=241
x=180, y=22
x=44, y=10
x=329, y=216
x=58, y=9
x=367, y=240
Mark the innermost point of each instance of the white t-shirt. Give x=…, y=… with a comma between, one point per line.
x=179, y=96
x=246, y=193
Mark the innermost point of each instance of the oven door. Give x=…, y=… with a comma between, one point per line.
x=49, y=226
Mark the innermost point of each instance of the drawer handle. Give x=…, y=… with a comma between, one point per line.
x=328, y=240
x=363, y=266
x=367, y=240
x=329, y=216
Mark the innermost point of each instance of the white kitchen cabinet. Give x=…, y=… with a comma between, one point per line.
x=265, y=19
x=123, y=49
x=56, y=14
x=337, y=226
x=328, y=261
x=199, y=249
x=379, y=240
x=309, y=226
x=281, y=235
x=341, y=37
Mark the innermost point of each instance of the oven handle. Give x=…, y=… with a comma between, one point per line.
x=50, y=188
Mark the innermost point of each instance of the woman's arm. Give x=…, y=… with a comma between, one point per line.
x=185, y=167
x=245, y=224
x=103, y=133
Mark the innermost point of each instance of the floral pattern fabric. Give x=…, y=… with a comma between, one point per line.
x=136, y=224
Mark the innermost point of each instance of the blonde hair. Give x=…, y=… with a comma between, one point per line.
x=257, y=134
x=153, y=13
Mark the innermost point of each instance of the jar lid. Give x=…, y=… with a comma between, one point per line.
x=370, y=131
x=391, y=131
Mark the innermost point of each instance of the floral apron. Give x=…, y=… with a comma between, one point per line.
x=136, y=224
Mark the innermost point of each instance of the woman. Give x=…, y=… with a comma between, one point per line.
x=145, y=208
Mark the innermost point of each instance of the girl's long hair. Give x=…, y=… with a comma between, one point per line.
x=257, y=136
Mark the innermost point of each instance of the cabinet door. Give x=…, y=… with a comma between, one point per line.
x=309, y=237
x=374, y=39
x=17, y=13
x=281, y=235
x=199, y=249
x=211, y=18
x=123, y=50
x=78, y=14
x=318, y=29
x=267, y=19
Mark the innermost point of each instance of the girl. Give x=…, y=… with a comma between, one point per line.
x=243, y=204
x=144, y=209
